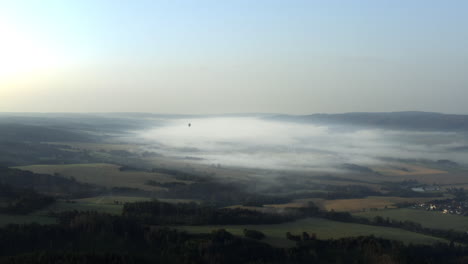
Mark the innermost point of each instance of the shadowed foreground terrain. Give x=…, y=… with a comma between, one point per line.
x=145, y=188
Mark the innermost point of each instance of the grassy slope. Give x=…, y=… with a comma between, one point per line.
x=426, y=218
x=324, y=229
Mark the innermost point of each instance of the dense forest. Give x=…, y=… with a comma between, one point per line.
x=160, y=213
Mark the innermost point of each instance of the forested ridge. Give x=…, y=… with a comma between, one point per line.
x=100, y=238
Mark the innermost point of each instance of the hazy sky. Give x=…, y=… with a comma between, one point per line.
x=233, y=56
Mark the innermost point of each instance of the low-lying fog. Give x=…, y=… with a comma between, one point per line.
x=260, y=143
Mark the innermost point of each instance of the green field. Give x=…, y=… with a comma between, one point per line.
x=357, y=205
x=323, y=228
x=61, y=206
x=25, y=219
x=103, y=174
x=103, y=204
x=425, y=218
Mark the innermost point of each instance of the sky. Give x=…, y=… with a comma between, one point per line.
x=237, y=56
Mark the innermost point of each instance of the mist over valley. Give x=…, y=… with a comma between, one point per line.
x=268, y=143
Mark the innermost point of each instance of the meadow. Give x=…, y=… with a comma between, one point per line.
x=429, y=219
x=323, y=228
x=353, y=205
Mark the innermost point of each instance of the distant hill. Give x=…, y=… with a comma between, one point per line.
x=89, y=123
x=424, y=121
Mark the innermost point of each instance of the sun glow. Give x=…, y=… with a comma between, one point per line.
x=23, y=53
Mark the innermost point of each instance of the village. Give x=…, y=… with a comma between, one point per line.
x=448, y=206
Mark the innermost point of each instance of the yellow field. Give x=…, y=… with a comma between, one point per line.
x=406, y=170
x=103, y=174
x=294, y=204
x=372, y=186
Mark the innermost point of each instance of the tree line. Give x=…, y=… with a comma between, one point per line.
x=161, y=213
x=22, y=201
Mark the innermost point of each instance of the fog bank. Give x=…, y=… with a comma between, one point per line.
x=258, y=143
